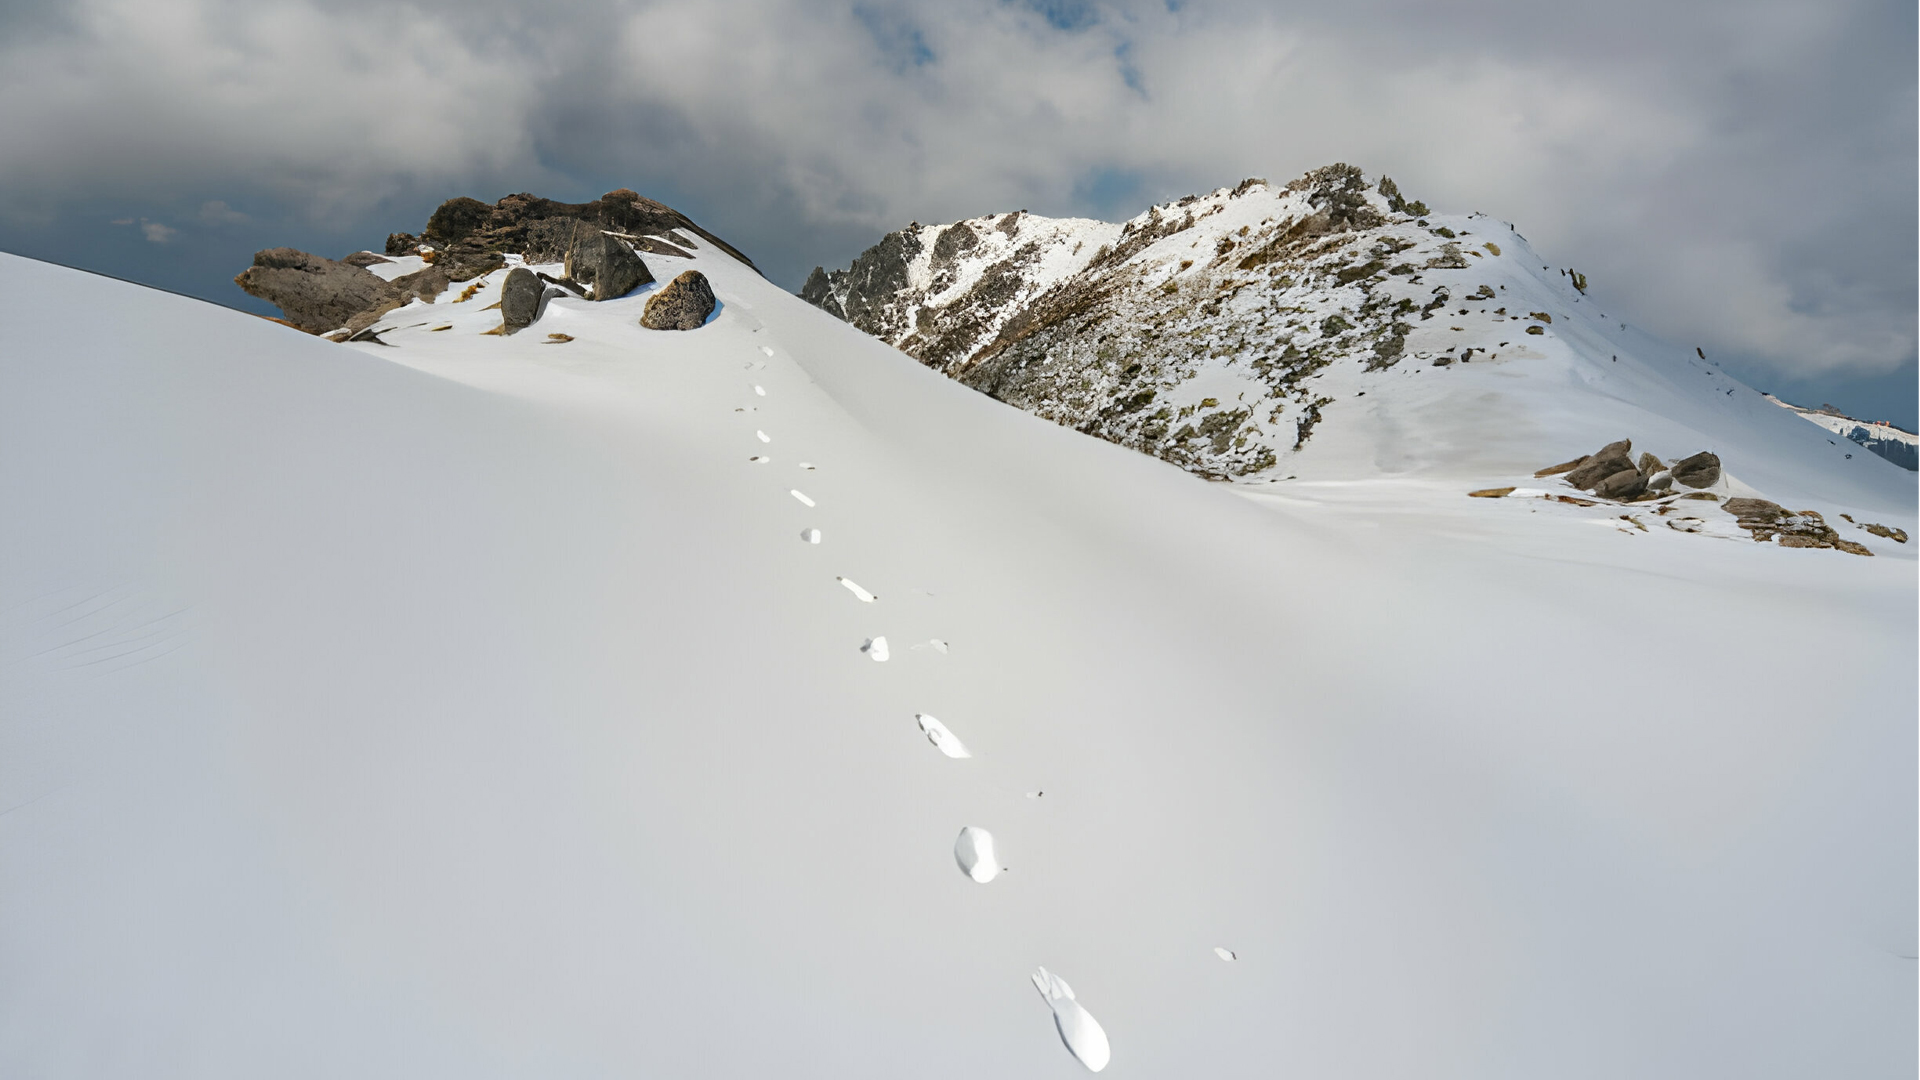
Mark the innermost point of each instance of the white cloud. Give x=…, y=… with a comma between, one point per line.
x=156, y=232
x=217, y=212
x=1742, y=178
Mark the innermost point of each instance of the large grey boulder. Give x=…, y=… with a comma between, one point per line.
x=683, y=305
x=606, y=263
x=1610, y=459
x=520, y=298
x=318, y=294
x=1623, y=485
x=1700, y=470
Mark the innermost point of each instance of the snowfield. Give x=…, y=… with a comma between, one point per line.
x=490, y=706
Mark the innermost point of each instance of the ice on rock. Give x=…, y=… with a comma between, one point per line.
x=876, y=648
x=853, y=587
x=938, y=735
x=1084, y=1036
x=974, y=852
x=811, y=536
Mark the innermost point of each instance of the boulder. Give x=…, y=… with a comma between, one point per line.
x=1700, y=470
x=606, y=263
x=365, y=258
x=1610, y=459
x=520, y=298
x=1622, y=485
x=464, y=262
x=318, y=294
x=1565, y=466
x=1650, y=465
x=683, y=305
x=401, y=243
x=425, y=284
x=1660, y=481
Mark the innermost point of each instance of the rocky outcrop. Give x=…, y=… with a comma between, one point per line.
x=318, y=294
x=1769, y=522
x=1612, y=473
x=527, y=224
x=683, y=305
x=365, y=259
x=402, y=244
x=520, y=298
x=604, y=262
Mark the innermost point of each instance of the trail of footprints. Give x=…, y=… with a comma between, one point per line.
x=974, y=850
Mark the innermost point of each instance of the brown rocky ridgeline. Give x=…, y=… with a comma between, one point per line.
x=599, y=243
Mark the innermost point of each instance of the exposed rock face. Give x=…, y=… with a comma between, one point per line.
x=315, y=293
x=402, y=243
x=520, y=298
x=524, y=224
x=605, y=262
x=683, y=305
x=425, y=284
x=1113, y=328
x=1700, y=470
x=364, y=259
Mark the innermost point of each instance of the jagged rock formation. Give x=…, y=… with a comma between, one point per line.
x=317, y=294
x=1106, y=328
x=683, y=305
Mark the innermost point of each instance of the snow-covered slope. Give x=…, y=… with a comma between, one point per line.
x=475, y=706
x=1317, y=331
x=1897, y=445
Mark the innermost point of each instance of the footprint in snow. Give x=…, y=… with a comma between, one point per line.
x=1225, y=954
x=760, y=459
x=937, y=734
x=811, y=536
x=935, y=644
x=974, y=852
x=1085, y=1038
x=801, y=495
x=876, y=649
x=762, y=436
x=853, y=587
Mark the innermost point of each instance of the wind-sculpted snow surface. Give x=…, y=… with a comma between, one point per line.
x=462, y=705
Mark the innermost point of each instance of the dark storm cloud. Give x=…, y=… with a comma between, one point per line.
x=1735, y=175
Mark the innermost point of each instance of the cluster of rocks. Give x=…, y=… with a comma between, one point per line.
x=1612, y=473
x=1770, y=522
x=465, y=238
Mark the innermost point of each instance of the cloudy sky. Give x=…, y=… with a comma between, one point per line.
x=1739, y=176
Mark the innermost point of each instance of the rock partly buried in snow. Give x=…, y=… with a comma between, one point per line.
x=318, y=294
x=1699, y=471
x=425, y=284
x=365, y=259
x=937, y=734
x=606, y=263
x=1086, y=1040
x=1769, y=521
x=973, y=850
x=520, y=298
x=1610, y=459
x=683, y=305
x=1622, y=485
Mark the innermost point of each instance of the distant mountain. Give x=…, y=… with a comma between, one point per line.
x=1896, y=444
x=1327, y=328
